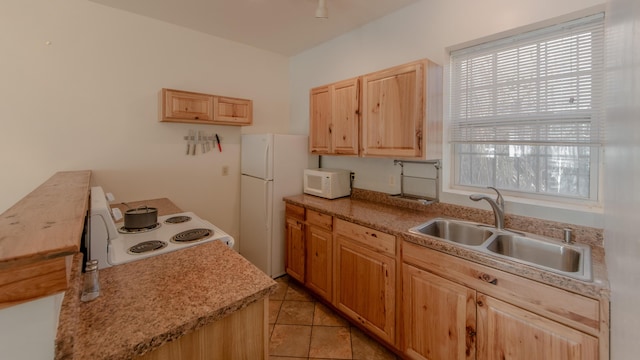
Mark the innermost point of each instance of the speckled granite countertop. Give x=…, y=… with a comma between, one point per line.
x=396, y=217
x=146, y=303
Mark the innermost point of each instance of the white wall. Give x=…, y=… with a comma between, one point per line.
x=422, y=30
x=28, y=330
x=89, y=101
x=622, y=201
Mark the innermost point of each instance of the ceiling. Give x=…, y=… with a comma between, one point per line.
x=287, y=27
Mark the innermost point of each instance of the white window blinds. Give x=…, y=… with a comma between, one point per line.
x=537, y=88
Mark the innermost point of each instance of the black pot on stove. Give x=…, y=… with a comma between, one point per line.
x=140, y=218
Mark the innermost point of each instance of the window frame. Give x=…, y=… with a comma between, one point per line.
x=593, y=203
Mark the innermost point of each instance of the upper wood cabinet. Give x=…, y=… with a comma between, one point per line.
x=197, y=108
x=184, y=106
x=232, y=111
x=334, y=118
x=395, y=112
x=401, y=114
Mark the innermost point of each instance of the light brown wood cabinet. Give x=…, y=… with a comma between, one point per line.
x=454, y=309
x=232, y=111
x=507, y=331
x=295, y=242
x=185, y=106
x=243, y=334
x=394, y=105
x=198, y=108
x=439, y=317
x=396, y=112
x=334, y=118
x=319, y=243
x=365, y=277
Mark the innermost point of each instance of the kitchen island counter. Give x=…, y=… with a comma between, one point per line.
x=148, y=304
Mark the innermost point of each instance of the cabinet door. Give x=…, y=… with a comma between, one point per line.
x=439, y=317
x=365, y=287
x=393, y=111
x=295, y=256
x=320, y=120
x=344, y=117
x=509, y=332
x=319, y=270
x=232, y=111
x=183, y=105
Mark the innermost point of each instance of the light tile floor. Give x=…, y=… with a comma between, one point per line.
x=303, y=328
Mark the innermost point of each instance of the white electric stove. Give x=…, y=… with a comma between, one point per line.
x=112, y=244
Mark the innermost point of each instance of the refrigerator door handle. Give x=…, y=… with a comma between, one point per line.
x=266, y=205
x=266, y=161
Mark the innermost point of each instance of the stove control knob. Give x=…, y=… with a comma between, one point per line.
x=117, y=214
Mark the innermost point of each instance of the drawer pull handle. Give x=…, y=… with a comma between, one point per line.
x=488, y=278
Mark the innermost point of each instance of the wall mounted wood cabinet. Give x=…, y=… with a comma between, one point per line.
x=334, y=112
x=232, y=111
x=197, y=108
x=395, y=121
x=396, y=112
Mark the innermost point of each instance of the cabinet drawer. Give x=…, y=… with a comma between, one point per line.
x=319, y=219
x=294, y=211
x=571, y=309
x=374, y=239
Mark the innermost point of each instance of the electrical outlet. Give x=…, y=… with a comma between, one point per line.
x=225, y=170
x=392, y=180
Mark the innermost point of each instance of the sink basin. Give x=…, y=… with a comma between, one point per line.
x=573, y=260
x=456, y=231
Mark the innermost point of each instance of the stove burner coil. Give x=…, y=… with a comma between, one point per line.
x=147, y=246
x=177, y=219
x=124, y=230
x=192, y=235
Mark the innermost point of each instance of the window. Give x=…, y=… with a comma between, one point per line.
x=526, y=111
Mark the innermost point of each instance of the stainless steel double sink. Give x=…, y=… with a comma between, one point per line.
x=573, y=260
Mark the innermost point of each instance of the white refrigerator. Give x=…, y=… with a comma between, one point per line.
x=272, y=167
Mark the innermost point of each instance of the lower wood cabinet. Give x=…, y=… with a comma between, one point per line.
x=243, y=334
x=509, y=332
x=319, y=269
x=295, y=242
x=439, y=317
x=365, y=285
x=454, y=309
x=430, y=305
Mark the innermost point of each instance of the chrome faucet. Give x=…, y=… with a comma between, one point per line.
x=497, y=205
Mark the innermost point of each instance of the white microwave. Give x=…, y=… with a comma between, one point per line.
x=327, y=183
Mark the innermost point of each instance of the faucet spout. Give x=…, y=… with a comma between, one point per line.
x=497, y=205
